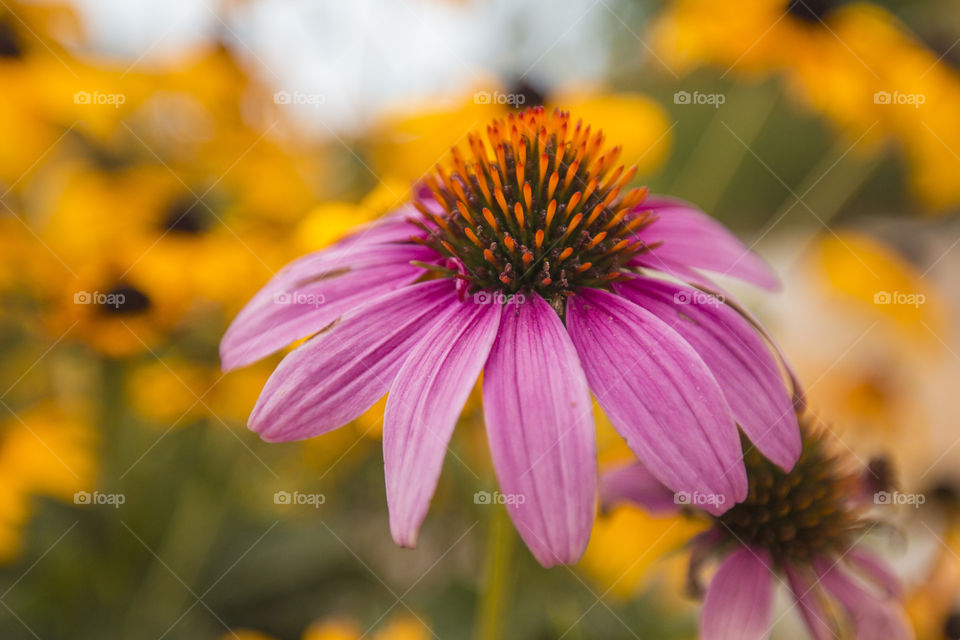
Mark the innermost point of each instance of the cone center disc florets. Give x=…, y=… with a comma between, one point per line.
x=535, y=205
x=797, y=516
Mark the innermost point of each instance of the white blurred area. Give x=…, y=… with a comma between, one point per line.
x=360, y=56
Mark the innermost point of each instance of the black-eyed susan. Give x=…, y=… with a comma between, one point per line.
x=853, y=62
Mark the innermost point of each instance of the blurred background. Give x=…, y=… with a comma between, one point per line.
x=159, y=161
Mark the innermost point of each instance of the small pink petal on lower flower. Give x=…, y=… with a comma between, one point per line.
x=874, y=616
x=336, y=376
x=807, y=594
x=660, y=396
x=634, y=483
x=739, y=602
x=744, y=367
x=690, y=237
x=876, y=569
x=423, y=406
x=540, y=429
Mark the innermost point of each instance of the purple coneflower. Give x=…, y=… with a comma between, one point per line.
x=799, y=528
x=526, y=260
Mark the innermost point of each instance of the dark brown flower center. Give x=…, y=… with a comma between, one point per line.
x=812, y=11
x=9, y=41
x=535, y=206
x=185, y=215
x=124, y=299
x=800, y=515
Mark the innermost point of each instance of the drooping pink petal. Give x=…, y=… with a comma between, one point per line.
x=386, y=241
x=690, y=237
x=540, y=429
x=660, y=396
x=275, y=317
x=423, y=406
x=739, y=601
x=338, y=375
x=634, y=483
x=673, y=269
x=873, y=615
x=876, y=570
x=700, y=281
x=806, y=594
x=744, y=367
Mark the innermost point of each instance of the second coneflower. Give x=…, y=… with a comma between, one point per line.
x=801, y=529
x=528, y=259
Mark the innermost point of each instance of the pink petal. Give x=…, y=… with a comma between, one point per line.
x=873, y=616
x=423, y=406
x=739, y=602
x=691, y=237
x=341, y=373
x=312, y=292
x=660, y=396
x=806, y=595
x=681, y=272
x=876, y=569
x=540, y=428
x=744, y=367
x=634, y=483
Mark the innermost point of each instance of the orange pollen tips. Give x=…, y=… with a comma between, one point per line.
x=538, y=204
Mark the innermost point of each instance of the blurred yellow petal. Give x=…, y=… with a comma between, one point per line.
x=634, y=121
x=403, y=628
x=931, y=602
x=628, y=546
x=51, y=450
x=412, y=139
x=329, y=222
x=44, y=450
x=165, y=391
x=612, y=449
x=871, y=277
x=333, y=630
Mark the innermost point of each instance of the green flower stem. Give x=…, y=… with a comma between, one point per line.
x=712, y=165
x=832, y=182
x=501, y=542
